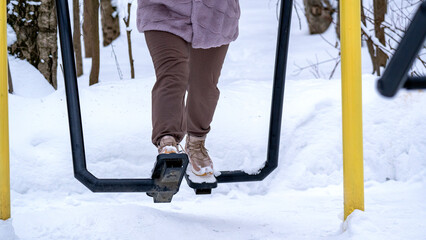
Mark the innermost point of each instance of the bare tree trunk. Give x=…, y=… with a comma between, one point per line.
x=77, y=37
x=338, y=19
x=129, y=40
x=378, y=57
x=9, y=79
x=380, y=10
x=110, y=22
x=35, y=26
x=47, y=41
x=87, y=12
x=370, y=44
x=319, y=14
x=94, y=37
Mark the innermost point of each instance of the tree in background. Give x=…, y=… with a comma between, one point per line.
x=378, y=57
x=384, y=23
x=319, y=15
x=77, y=37
x=110, y=22
x=110, y=29
x=129, y=39
x=91, y=37
x=86, y=29
x=35, y=25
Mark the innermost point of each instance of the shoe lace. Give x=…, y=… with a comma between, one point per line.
x=180, y=148
x=198, y=145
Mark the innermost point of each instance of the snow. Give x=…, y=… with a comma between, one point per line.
x=302, y=199
x=27, y=80
x=11, y=35
x=34, y=3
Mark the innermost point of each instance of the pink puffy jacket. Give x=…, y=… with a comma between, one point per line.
x=204, y=23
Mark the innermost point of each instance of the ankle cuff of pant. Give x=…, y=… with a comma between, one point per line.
x=177, y=138
x=196, y=136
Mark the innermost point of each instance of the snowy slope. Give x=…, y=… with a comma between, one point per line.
x=302, y=199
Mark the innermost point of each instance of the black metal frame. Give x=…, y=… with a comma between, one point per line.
x=148, y=185
x=396, y=73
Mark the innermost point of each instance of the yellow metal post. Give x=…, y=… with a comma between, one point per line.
x=4, y=120
x=353, y=173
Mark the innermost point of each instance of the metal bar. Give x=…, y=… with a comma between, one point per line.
x=415, y=83
x=74, y=117
x=9, y=78
x=4, y=120
x=144, y=185
x=395, y=75
x=276, y=105
x=353, y=173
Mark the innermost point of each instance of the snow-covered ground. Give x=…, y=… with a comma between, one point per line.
x=302, y=199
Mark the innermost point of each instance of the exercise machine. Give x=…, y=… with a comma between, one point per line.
x=169, y=169
x=396, y=76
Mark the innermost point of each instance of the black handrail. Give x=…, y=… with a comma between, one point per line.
x=74, y=117
x=396, y=73
x=147, y=185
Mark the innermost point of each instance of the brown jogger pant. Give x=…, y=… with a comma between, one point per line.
x=180, y=68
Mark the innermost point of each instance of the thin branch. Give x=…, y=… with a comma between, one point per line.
x=335, y=67
x=298, y=16
x=120, y=73
x=300, y=69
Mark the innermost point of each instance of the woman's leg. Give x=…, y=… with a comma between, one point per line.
x=170, y=55
x=205, y=66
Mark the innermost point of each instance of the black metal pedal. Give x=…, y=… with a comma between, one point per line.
x=203, y=191
x=167, y=174
x=201, y=185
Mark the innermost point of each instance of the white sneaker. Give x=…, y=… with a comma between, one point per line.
x=201, y=163
x=167, y=145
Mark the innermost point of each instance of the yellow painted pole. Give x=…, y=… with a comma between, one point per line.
x=353, y=172
x=4, y=120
